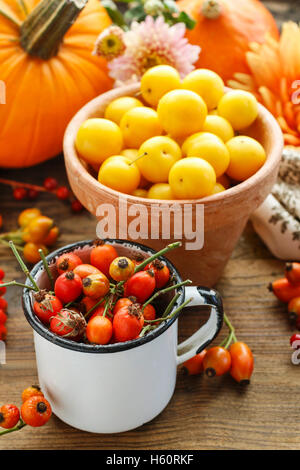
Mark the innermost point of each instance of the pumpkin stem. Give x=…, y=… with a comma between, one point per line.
x=43, y=30
x=211, y=9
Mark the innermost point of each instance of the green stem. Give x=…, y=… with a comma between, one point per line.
x=229, y=340
x=164, y=291
x=231, y=328
x=45, y=27
x=46, y=266
x=138, y=158
x=18, y=241
x=69, y=304
x=19, y=426
x=170, y=247
x=15, y=283
x=224, y=341
x=10, y=234
x=23, y=266
x=171, y=304
x=145, y=329
x=178, y=309
x=6, y=243
x=106, y=306
x=87, y=314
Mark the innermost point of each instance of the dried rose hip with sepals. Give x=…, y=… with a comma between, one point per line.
x=69, y=324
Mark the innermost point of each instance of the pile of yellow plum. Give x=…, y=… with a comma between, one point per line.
x=176, y=139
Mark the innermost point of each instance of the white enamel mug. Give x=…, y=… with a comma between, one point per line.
x=116, y=387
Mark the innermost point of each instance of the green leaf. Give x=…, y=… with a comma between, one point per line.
x=169, y=18
x=113, y=12
x=187, y=20
x=136, y=13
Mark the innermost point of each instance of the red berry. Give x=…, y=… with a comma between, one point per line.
x=33, y=194
x=36, y=411
x=149, y=312
x=76, y=206
x=46, y=306
x=19, y=194
x=2, y=274
x=217, y=361
x=50, y=184
x=141, y=285
x=68, y=286
x=293, y=338
x=68, y=323
x=161, y=273
x=62, y=193
x=9, y=416
x=98, y=312
x=102, y=255
x=3, y=332
x=2, y=289
x=67, y=262
x=194, y=366
x=3, y=317
x=128, y=323
x=99, y=330
x=3, y=304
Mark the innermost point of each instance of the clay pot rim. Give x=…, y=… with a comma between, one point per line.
x=70, y=153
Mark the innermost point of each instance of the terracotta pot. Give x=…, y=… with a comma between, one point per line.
x=225, y=214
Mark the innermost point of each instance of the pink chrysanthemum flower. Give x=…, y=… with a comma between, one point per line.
x=153, y=42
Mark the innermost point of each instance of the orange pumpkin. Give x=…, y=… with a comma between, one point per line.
x=49, y=72
x=224, y=29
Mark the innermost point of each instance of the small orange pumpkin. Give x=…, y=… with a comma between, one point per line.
x=49, y=72
x=224, y=29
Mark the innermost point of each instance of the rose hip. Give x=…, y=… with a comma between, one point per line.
x=67, y=262
x=68, y=287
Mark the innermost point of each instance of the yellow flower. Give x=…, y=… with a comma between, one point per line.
x=110, y=43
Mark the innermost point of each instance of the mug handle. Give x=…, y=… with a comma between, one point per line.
x=204, y=336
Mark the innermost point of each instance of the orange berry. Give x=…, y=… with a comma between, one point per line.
x=9, y=416
x=36, y=411
x=32, y=391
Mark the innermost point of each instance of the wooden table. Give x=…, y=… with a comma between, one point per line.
x=204, y=413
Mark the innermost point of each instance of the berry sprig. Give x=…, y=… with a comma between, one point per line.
x=23, y=191
x=35, y=411
x=231, y=356
x=36, y=232
x=287, y=290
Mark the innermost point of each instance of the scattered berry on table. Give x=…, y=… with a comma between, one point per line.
x=62, y=193
x=19, y=194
